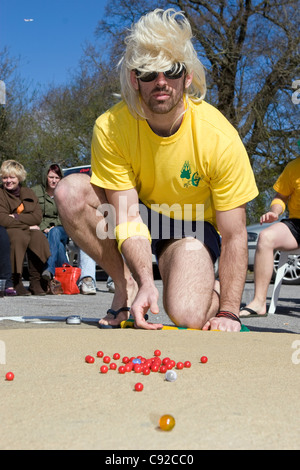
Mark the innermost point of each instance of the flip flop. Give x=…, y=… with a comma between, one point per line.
x=252, y=313
x=115, y=313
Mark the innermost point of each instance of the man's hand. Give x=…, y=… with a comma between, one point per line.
x=222, y=324
x=277, y=209
x=268, y=218
x=146, y=299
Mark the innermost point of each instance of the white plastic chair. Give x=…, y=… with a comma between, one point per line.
x=283, y=265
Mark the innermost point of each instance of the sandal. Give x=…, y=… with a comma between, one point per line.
x=252, y=313
x=114, y=313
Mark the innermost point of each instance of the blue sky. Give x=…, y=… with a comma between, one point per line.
x=50, y=46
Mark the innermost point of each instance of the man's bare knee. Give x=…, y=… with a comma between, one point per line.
x=266, y=240
x=72, y=193
x=187, y=316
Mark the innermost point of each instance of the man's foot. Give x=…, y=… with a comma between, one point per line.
x=88, y=286
x=114, y=315
x=253, y=310
x=120, y=305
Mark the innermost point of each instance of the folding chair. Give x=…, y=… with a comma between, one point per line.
x=72, y=252
x=286, y=260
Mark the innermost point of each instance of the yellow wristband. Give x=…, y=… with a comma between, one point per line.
x=280, y=203
x=131, y=229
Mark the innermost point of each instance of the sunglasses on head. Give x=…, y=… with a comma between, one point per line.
x=173, y=74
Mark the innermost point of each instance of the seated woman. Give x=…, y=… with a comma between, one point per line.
x=20, y=214
x=51, y=225
x=5, y=266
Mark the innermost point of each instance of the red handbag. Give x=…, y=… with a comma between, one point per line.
x=68, y=276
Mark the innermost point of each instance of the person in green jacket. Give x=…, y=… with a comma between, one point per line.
x=51, y=224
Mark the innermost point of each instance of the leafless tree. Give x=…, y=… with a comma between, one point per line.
x=250, y=49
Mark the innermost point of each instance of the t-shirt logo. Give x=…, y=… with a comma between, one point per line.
x=186, y=174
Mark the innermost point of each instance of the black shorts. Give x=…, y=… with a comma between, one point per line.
x=163, y=229
x=294, y=226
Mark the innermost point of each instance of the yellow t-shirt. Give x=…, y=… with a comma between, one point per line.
x=288, y=184
x=204, y=164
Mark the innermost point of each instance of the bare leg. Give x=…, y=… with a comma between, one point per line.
x=275, y=237
x=190, y=290
x=78, y=205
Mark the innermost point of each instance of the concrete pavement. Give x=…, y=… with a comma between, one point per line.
x=53, y=310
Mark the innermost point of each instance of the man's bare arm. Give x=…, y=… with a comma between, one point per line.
x=138, y=256
x=232, y=267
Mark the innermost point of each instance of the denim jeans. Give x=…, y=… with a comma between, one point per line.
x=57, y=238
x=87, y=266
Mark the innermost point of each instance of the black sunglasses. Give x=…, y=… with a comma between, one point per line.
x=173, y=74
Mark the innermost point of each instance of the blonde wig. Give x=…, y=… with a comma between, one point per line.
x=13, y=168
x=155, y=43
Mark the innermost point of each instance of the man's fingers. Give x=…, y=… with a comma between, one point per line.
x=143, y=324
